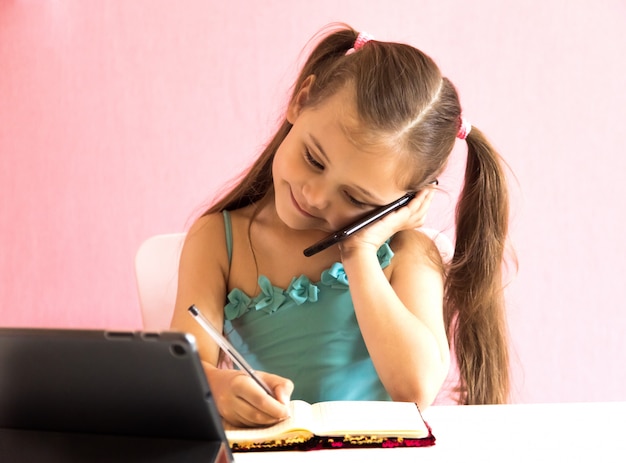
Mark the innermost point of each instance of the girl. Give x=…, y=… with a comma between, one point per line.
x=369, y=319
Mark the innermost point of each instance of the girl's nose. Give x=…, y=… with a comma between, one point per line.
x=315, y=195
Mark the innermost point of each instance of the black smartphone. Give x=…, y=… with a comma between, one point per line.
x=354, y=227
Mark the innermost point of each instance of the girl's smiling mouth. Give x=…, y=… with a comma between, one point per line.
x=299, y=208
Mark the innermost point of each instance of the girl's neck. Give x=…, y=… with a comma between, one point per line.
x=273, y=249
x=263, y=215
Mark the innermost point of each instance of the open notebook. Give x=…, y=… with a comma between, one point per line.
x=122, y=391
x=338, y=424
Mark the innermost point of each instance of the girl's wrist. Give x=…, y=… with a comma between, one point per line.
x=351, y=252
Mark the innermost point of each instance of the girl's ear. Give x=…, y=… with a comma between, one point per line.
x=299, y=101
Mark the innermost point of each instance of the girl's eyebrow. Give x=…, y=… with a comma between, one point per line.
x=372, y=198
x=319, y=148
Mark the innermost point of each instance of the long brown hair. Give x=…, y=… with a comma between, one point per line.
x=403, y=100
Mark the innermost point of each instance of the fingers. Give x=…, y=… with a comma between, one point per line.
x=256, y=407
x=419, y=208
x=282, y=387
x=405, y=218
x=242, y=402
x=414, y=215
x=245, y=414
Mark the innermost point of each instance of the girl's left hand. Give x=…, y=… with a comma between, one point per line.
x=411, y=216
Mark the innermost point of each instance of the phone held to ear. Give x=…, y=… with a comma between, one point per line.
x=361, y=223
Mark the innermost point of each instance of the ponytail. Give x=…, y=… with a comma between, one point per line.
x=475, y=316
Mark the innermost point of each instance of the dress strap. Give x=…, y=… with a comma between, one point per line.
x=228, y=228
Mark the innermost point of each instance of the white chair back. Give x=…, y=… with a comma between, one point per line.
x=156, y=271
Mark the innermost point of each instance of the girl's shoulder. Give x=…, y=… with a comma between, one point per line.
x=416, y=247
x=206, y=238
x=216, y=222
x=213, y=236
x=207, y=224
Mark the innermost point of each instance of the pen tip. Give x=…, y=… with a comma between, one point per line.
x=193, y=310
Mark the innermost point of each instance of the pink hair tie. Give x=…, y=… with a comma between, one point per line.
x=361, y=40
x=464, y=129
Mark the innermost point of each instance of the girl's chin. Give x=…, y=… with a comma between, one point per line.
x=297, y=221
x=293, y=219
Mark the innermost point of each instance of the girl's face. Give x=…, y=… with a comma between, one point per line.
x=322, y=180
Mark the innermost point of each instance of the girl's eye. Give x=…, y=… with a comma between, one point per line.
x=311, y=160
x=356, y=202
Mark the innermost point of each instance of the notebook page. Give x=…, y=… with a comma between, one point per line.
x=390, y=419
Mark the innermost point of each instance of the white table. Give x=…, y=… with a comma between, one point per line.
x=585, y=432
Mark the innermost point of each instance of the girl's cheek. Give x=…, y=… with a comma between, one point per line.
x=343, y=218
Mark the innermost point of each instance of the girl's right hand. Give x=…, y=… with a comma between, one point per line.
x=406, y=218
x=242, y=402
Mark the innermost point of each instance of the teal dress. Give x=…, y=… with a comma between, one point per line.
x=307, y=332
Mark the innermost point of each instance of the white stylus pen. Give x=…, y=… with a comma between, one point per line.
x=228, y=348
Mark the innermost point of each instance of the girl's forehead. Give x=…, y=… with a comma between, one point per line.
x=340, y=110
x=354, y=154
x=359, y=151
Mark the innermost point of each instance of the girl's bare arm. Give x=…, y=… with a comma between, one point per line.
x=203, y=276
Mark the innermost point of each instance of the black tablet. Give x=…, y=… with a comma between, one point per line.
x=107, y=383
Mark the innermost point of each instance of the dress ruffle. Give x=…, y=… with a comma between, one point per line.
x=300, y=290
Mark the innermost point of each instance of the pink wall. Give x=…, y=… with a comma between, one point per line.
x=120, y=119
